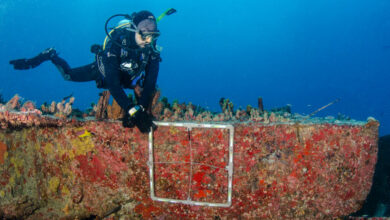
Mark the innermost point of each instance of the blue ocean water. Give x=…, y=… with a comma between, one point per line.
x=304, y=53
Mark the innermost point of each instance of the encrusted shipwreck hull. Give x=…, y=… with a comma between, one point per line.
x=56, y=168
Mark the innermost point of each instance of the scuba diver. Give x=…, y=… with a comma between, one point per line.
x=128, y=59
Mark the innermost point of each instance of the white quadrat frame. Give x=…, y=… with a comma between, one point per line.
x=229, y=167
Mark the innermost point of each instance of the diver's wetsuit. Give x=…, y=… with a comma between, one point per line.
x=107, y=71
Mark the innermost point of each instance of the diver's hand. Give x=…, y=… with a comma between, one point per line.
x=127, y=121
x=20, y=64
x=144, y=122
x=141, y=119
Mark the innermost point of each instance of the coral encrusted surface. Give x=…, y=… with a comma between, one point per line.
x=58, y=168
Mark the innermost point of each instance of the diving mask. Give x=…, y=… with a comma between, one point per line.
x=148, y=35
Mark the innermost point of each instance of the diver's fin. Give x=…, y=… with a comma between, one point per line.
x=20, y=64
x=24, y=64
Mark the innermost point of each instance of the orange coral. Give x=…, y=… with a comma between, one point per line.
x=101, y=108
x=114, y=111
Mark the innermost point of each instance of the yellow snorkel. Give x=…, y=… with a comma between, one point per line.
x=167, y=12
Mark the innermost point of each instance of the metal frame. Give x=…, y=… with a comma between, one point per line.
x=229, y=167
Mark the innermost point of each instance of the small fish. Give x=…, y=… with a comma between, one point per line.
x=84, y=134
x=67, y=97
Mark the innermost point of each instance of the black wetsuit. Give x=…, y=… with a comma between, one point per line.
x=108, y=74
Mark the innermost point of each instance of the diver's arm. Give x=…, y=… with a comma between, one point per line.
x=112, y=82
x=151, y=74
x=112, y=75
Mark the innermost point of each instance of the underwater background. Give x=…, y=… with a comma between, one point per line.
x=303, y=53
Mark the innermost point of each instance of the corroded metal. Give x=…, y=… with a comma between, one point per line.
x=63, y=168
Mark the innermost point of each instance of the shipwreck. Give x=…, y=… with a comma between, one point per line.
x=265, y=166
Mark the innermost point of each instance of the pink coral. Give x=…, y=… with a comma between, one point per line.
x=14, y=103
x=28, y=106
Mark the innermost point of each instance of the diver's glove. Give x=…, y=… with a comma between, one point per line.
x=24, y=64
x=127, y=121
x=137, y=116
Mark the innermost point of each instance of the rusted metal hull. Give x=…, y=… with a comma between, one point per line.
x=52, y=168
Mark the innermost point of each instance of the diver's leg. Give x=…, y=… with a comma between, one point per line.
x=24, y=64
x=80, y=74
